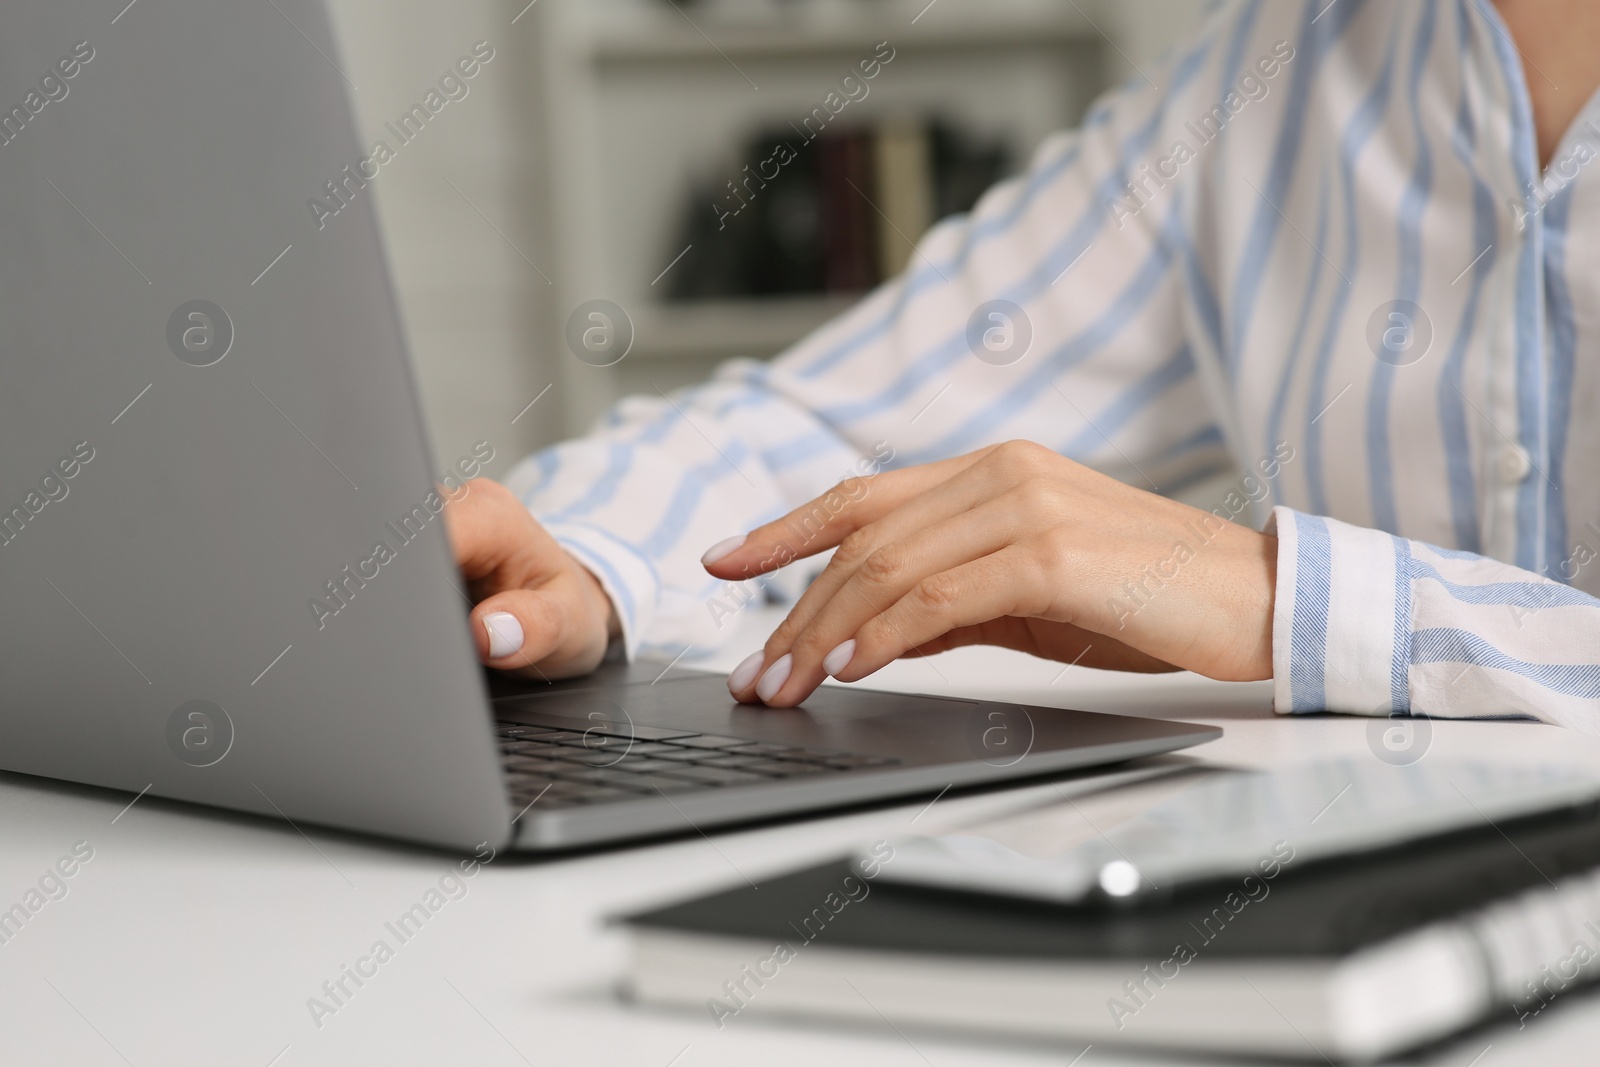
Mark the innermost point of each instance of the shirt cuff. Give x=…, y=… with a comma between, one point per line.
x=1341, y=621
x=627, y=577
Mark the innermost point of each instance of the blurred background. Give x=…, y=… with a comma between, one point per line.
x=693, y=164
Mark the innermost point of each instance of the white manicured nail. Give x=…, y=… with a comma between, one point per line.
x=839, y=658
x=505, y=633
x=776, y=675
x=740, y=678
x=721, y=548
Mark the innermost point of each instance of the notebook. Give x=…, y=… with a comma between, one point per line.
x=1345, y=958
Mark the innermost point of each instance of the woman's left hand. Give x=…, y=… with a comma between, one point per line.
x=1012, y=545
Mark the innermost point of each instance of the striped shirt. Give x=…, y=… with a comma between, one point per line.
x=1315, y=246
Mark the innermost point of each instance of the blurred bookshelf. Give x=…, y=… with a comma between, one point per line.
x=656, y=116
x=719, y=329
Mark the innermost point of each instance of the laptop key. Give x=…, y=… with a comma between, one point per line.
x=717, y=757
x=545, y=794
x=796, y=769
x=771, y=767
x=533, y=756
x=646, y=765
x=572, y=773
x=595, y=741
x=532, y=769
x=668, y=785
x=556, y=789
x=529, y=768
x=628, y=783
x=534, y=783
x=608, y=728
x=712, y=741
x=526, y=788
x=687, y=755
x=763, y=748
x=648, y=748
x=553, y=736
x=530, y=756
x=578, y=772
x=604, y=758
x=714, y=775
x=651, y=733
x=577, y=755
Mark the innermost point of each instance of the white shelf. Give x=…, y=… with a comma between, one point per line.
x=641, y=103
x=673, y=41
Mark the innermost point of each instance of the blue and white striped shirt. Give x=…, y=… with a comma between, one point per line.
x=1316, y=246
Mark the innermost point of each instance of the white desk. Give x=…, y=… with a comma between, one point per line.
x=197, y=938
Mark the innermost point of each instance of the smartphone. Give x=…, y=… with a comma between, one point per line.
x=1233, y=826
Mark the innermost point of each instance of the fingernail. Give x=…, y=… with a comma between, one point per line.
x=721, y=549
x=505, y=633
x=740, y=678
x=839, y=658
x=776, y=675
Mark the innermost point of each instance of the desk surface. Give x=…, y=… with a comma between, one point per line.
x=198, y=938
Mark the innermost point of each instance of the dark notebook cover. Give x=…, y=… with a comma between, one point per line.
x=1325, y=909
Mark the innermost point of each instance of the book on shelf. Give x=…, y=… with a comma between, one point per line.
x=903, y=167
x=834, y=212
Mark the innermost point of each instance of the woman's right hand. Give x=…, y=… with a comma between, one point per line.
x=537, y=610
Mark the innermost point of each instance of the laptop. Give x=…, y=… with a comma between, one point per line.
x=208, y=426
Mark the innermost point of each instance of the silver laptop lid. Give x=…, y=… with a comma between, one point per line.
x=222, y=571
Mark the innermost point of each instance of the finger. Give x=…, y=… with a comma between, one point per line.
x=993, y=587
x=529, y=598
x=967, y=489
x=823, y=522
x=1071, y=645
x=497, y=544
x=882, y=579
x=531, y=631
x=960, y=637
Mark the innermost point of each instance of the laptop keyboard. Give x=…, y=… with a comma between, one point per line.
x=562, y=768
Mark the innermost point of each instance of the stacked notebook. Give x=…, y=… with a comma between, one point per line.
x=1332, y=950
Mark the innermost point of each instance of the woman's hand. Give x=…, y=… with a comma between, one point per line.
x=538, y=611
x=1012, y=545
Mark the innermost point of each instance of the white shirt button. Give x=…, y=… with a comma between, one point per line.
x=1515, y=464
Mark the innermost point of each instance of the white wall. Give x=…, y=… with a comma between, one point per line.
x=1144, y=29
x=474, y=308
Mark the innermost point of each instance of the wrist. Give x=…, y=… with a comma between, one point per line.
x=1259, y=593
x=627, y=580
x=1245, y=590
x=600, y=605
x=613, y=621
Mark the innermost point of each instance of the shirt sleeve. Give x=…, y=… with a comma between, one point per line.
x=1051, y=312
x=1374, y=624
